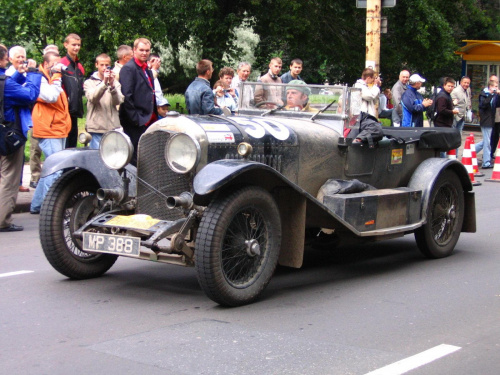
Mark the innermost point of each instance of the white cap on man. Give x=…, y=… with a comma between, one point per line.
x=416, y=78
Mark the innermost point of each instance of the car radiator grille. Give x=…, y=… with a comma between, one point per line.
x=153, y=170
x=273, y=161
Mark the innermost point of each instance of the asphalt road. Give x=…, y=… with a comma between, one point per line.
x=352, y=311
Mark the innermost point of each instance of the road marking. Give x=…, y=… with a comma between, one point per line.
x=14, y=273
x=415, y=361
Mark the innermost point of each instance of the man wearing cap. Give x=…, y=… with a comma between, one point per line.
x=297, y=96
x=163, y=107
x=413, y=103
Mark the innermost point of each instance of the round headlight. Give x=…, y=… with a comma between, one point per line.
x=116, y=149
x=182, y=153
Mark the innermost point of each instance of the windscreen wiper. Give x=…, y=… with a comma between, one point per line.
x=273, y=110
x=324, y=109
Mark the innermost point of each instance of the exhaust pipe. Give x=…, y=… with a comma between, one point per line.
x=184, y=200
x=105, y=194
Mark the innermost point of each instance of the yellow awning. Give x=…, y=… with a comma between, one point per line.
x=480, y=50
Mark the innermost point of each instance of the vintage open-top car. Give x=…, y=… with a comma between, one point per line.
x=234, y=196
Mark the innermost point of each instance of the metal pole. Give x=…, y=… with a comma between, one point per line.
x=373, y=16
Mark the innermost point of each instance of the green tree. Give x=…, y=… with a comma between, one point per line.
x=328, y=35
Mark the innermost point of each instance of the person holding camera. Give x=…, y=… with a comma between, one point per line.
x=17, y=57
x=104, y=95
x=223, y=97
x=488, y=103
x=51, y=121
x=18, y=94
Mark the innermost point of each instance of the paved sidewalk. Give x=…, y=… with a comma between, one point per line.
x=24, y=199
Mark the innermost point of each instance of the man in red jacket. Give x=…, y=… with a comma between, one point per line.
x=72, y=80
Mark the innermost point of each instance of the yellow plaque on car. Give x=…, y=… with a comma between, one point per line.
x=133, y=221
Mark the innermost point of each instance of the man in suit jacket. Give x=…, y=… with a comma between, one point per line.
x=138, y=109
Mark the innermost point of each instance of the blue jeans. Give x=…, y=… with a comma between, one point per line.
x=485, y=145
x=96, y=139
x=460, y=126
x=49, y=146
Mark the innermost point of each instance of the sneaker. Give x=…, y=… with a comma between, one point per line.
x=33, y=184
x=35, y=212
x=12, y=228
x=23, y=189
x=486, y=166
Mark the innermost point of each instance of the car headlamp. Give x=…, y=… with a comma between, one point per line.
x=116, y=149
x=182, y=153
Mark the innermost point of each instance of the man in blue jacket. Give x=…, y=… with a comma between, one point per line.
x=413, y=103
x=199, y=95
x=20, y=93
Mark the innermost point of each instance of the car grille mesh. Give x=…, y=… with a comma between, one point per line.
x=273, y=161
x=152, y=168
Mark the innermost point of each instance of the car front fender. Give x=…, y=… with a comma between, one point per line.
x=222, y=172
x=426, y=175
x=89, y=160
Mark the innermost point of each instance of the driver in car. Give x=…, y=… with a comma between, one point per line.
x=297, y=96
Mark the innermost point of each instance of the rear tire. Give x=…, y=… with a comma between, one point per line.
x=68, y=205
x=237, y=246
x=445, y=217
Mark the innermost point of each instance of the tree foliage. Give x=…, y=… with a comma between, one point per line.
x=328, y=35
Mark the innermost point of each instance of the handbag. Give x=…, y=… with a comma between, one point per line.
x=11, y=139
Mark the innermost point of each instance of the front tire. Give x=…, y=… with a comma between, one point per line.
x=445, y=216
x=68, y=205
x=237, y=246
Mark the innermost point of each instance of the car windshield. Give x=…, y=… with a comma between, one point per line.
x=296, y=100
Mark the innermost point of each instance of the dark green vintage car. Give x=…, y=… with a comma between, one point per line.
x=234, y=196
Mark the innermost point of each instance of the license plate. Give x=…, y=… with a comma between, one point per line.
x=108, y=243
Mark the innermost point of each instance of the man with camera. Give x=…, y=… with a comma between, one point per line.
x=104, y=95
x=18, y=94
x=17, y=57
x=223, y=96
x=51, y=121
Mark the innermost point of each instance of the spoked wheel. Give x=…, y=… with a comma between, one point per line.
x=237, y=246
x=69, y=204
x=445, y=216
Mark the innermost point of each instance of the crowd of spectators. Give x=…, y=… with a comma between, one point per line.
x=128, y=95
